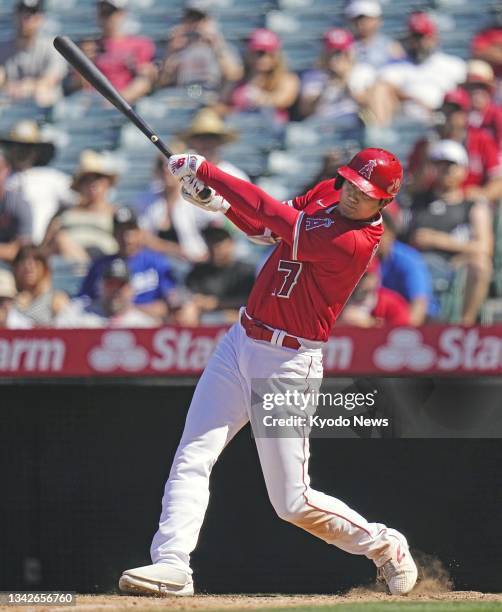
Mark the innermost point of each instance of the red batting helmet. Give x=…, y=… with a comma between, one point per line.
x=376, y=172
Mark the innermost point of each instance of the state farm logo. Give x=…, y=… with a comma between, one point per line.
x=404, y=349
x=118, y=350
x=168, y=349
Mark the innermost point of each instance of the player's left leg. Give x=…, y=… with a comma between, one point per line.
x=285, y=460
x=217, y=412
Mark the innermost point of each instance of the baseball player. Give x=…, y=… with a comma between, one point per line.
x=325, y=241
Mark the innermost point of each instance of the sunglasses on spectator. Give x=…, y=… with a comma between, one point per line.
x=477, y=85
x=262, y=53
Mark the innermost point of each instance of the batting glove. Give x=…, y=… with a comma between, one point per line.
x=185, y=164
x=198, y=194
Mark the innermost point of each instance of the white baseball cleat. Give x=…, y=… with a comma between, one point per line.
x=399, y=572
x=159, y=579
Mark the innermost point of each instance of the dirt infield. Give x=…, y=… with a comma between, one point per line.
x=260, y=602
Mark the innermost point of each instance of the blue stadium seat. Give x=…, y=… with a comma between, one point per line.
x=67, y=275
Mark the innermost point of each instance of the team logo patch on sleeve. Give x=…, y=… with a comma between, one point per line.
x=317, y=222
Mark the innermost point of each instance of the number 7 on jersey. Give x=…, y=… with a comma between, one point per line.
x=292, y=270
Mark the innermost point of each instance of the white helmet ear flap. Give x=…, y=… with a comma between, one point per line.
x=339, y=182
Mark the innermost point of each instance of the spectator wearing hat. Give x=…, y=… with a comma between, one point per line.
x=36, y=298
x=172, y=228
x=221, y=285
x=484, y=178
x=416, y=85
x=404, y=270
x=113, y=306
x=267, y=84
x=30, y=67
x=15, y=215
x=151, y=273
x=372, y=305
x=198, y=54
x=10, y=317
x=337, y=89
x=485, y=114
x=487, y=46
x=207, y=135
x=126, y=60
x=45, y=189
x=371, y=46
x=85, y=231
x=451, y=230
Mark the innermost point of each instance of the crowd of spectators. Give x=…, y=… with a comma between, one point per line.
x=154, y=259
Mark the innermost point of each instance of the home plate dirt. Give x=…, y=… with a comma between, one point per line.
x=258, y=602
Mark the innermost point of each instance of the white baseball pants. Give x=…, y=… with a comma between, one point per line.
x=220, y=408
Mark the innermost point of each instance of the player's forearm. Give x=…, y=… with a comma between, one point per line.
x=251, y=201
x=251, y=227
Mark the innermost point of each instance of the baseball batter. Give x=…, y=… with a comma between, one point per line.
x=325, y=241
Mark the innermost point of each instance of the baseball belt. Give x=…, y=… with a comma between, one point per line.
x=259, y=331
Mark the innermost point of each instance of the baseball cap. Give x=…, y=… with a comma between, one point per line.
x=33, y=6
x=363, y=8
x=117, y=269
x=124, y=216
x=481, y=72
x=7, y=284
x=459, y=97
x=449, y=150
x=422, y=24
x=264, y=40
x=337, y=39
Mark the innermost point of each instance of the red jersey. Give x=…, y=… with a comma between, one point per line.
x=120, y=59
x=391, y=308
x=484, y=158
x=312, y=271
x=489, y=119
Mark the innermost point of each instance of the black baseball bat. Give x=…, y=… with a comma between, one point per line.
x=97, y=79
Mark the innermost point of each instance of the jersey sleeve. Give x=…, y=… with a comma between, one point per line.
x=145, y=51
x=317, y=192
x=252, y=227
x=250, y=200
x=492, y=158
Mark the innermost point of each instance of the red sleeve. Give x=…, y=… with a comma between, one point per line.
x=418, y=155
x=251, y=201
x=391, y=308
x=145, y=51
x=249, y=226
x=491, y=157
x=323, y=188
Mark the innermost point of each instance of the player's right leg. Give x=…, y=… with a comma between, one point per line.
x=217, y=412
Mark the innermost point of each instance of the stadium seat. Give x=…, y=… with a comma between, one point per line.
x=67, y=275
